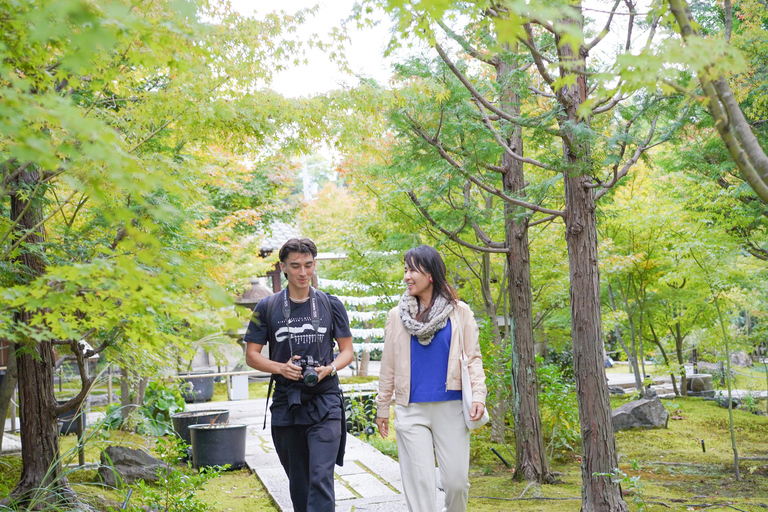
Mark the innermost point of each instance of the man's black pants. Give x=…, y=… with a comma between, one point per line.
x=308, y=455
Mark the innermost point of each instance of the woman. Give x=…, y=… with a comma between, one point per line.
x=421, y=365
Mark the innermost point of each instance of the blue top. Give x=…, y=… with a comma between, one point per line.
x=429, y=368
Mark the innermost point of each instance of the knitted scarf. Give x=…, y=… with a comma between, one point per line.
x=436, y=320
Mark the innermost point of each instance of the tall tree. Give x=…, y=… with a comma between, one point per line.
x=555, y=37
x=732, y=125
x=108, y=114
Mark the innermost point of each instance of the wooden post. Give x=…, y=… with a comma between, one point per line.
x=364, y=359
x=109, y=383
x=229, y=388
x=14, y=401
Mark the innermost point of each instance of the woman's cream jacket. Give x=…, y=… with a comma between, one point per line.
x=395, y=373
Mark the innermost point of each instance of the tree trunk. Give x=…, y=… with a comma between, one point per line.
x=630, y=354
x=598, y=444
x=680, y=359
x=531, y=459
x=41, y=477
x=657, y=341
x=500, y=359
x=6, y=390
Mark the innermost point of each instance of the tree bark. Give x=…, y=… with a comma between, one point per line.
x=598, y=444
x=41, y=471
x=680, y=359
x=499, y=363
x=531, y=459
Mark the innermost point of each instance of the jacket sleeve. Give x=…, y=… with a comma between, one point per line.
x=386, y=372
x=472, y=348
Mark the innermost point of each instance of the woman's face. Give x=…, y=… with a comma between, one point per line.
x=418, y=283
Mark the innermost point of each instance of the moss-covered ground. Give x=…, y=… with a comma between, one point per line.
x=666, y=469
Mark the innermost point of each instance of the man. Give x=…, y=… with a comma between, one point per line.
x=308, y=426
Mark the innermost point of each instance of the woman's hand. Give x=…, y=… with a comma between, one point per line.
x=383, y=424
x=476, y=412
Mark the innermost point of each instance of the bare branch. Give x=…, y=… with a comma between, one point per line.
x=635, y=157
x=507, y=149
x=538, y=58
x=450, y=234
x=540, y=93
x=548, y=218
x=606, y=30
x=631, y=24
x=490, y=189
x=483, y=237
x=615, y=100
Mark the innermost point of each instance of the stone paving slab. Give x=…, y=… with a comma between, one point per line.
x=368, y=481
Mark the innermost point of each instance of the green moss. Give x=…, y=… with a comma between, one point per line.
x=237, y=490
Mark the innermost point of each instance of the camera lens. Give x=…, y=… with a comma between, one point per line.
x=310, y=376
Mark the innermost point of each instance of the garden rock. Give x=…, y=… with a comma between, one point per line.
x=126, y=465
x=700, y=384
x=741, y=359
x=616, y=390
x=644, y=413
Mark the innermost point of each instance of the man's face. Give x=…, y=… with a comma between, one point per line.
x=299, y=268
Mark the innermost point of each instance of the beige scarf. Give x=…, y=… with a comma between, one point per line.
x=436, y=320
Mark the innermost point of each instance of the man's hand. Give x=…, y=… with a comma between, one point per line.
x=476, y=412
x=383, y=424
x=290, y=370
x=323, y=372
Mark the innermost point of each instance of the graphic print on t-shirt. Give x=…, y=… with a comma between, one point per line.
x=302, y=333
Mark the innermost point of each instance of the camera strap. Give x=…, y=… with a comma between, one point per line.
x=314, y=314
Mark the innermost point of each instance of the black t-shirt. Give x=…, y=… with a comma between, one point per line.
x=317, y=401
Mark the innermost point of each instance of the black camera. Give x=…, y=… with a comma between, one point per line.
x=308, y=372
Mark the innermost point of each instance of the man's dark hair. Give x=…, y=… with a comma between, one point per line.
x=300, y=245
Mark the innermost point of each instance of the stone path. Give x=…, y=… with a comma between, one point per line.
x=369, y=480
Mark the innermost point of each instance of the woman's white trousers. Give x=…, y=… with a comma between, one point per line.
x=419, y=427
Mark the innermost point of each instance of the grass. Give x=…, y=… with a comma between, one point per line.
x=230, y=491
x=668, y=463
x=751, y=378
x=670, y=469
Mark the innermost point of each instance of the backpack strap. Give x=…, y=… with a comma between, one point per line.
x=271, y=301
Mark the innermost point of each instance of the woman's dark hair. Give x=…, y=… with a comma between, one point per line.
x=300, y=245
x=427, y=260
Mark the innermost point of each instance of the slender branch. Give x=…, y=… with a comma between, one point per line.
x=21, y=215
x=450, y=234
x=606, y=30
x=493, y=190
x=491, y=61
x=20, y=169
x=35, y=227
x=483, y=237
x=504, y=145
x=487, y=104
x=624, y=170
x=538, y=58
x=742, y=151
x=631, y=24
x=538, y=92
x=548, y=218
